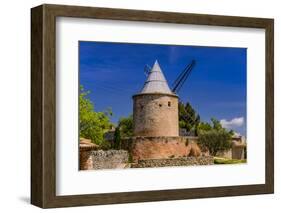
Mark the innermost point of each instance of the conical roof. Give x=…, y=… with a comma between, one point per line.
x=156, y=81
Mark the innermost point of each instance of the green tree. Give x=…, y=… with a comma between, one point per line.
x=204, y=126
x=189, y=119
x=117, y=139
x=93, y=124
x=215, y=140
x=125, y=125
x=214, y=137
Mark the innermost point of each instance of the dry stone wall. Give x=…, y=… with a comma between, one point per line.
x=100, y=159
x=188, y=161
x=111, y=159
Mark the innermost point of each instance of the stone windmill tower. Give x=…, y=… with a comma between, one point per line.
x=155, y=111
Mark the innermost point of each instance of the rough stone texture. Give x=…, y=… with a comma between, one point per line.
x=238, y=150
x=189, y=161
x=85, y=160
x=225, y=154
x=161, y=147
x=110, y=159
x=195, y=150
x=155, y=115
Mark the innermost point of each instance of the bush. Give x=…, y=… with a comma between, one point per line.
x=215, y=140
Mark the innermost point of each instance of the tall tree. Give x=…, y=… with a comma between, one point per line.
x=189, y=119
x=93, y=124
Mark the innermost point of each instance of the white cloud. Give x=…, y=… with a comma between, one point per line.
x=235, y=122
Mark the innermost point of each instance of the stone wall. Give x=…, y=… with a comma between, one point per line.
x=188, y=161
x=152, y=152
x=100, y=159
x=85, y=160
x=238, y=152
x=155, y=115
x=142, y=148
x=225, y=154
x=85, y=149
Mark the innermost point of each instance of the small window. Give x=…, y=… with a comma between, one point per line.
x=160, y=105
x=169, y=103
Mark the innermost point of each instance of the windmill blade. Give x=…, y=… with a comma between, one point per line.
x=178, y=83
x=147, y=69
x=183, y=79
x=182, y=73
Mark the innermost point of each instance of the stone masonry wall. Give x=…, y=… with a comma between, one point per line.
x=85, y=160
x=155, y=115
x=111, y=159
x=142, y=148
x=238, y=152
x=100, y=159
x=189, y=161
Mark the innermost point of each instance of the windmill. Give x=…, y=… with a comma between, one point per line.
x=180, y=80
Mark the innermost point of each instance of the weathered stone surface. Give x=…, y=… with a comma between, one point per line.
x=195, y=150
x=155, y=115
x=85, y=148
x=238, y=149
x=110, y=159
x=162, y=147
x=85, y=160
x=188, y=161
x=236, y=152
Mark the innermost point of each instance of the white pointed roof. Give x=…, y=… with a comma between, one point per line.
x=156, y=81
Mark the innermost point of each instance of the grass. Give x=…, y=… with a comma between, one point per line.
x=218, y=160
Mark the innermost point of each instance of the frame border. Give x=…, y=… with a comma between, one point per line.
x=43, y=105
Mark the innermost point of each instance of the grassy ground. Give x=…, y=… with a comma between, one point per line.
x=218, y=160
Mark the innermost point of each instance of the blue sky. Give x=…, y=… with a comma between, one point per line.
x=113, y=72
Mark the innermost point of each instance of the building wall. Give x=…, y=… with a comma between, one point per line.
x=85, y=160
x=155, y=115
x=238, y=152
x=143, y=148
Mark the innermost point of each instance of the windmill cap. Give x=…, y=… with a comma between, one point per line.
x=156, y=82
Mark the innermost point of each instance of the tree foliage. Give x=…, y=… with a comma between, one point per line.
x=189, y=119
x=123, y=129
x=125, y=125
x=93, y=124
x=117, y=139
x=214, y=137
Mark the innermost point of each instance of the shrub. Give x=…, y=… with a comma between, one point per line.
x=215, y=140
